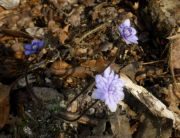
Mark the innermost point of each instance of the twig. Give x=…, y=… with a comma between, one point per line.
x=151, y=102
x=152, y=62
x=78, y=40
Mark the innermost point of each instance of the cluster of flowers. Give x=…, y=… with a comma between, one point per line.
x=109, y=86
x=34, y=47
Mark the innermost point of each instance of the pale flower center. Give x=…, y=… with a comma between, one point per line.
x=111, y=88
x=34, y=47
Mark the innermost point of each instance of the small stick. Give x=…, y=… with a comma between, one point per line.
x=78, y=40
x=152, y=62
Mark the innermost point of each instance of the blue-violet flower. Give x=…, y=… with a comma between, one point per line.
x=128, y=33
x=109, y=88
x=34, y=47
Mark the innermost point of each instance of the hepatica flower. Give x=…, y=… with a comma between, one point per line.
x=34, y=47
x=109, y=88
x=128, y=33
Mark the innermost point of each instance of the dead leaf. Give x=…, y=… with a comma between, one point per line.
x=75, y=18
x=172, y=98
x=153, y=127
x=100, y=128
x=89, y=63
x=120, y=126
x=64, y=34
x=53, y=26
x=88, y=2
x=61, y=68
x=35, y=31
x=80, y=51
x=95, y=65
x=18, y=49
x=4, y=104
x=175, y=54
x=60, y=65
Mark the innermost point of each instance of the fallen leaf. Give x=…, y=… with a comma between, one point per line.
x=153, y=127
x=88, y=2
x=35, y=31
x=95, y=65
x=61, y=68
x=172, y=98
x=75, y=18
x=4, y=104
x=63, y=34
x=60, y=65
x=175, y=54
x=18, y=49
x=120, y=126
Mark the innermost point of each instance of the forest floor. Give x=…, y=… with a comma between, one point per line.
x=47, y=93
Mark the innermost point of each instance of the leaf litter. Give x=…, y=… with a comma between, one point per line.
x=47, y=93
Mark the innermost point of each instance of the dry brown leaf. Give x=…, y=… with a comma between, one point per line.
x=53, y=26
x=1, y=9
x=88, y=2
x=95, y=65
x=60, y=67
x=150, y=127
x=79, y=72
x=18, y=49
x=35, y=31
x=63, y=34
x=114, y=51
x=120, y=126
x=175, y=54
x=89, y=63
x=19, y=55
x=4, y=104
x=75, y=18
x=80, y=51
x=173, y=94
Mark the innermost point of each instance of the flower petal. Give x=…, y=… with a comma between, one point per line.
x=29, y=52
x=119, y=96
x=28, y=47
x=39, y=43
x=107, y=72
x=111, y=104
x=127, y=41
x=98, y=95
x=126, y=23
x=133, y=31
x=133, y=39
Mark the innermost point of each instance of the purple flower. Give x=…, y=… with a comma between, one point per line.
x=128, y=33
x=34, y=47
x=109, y=88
